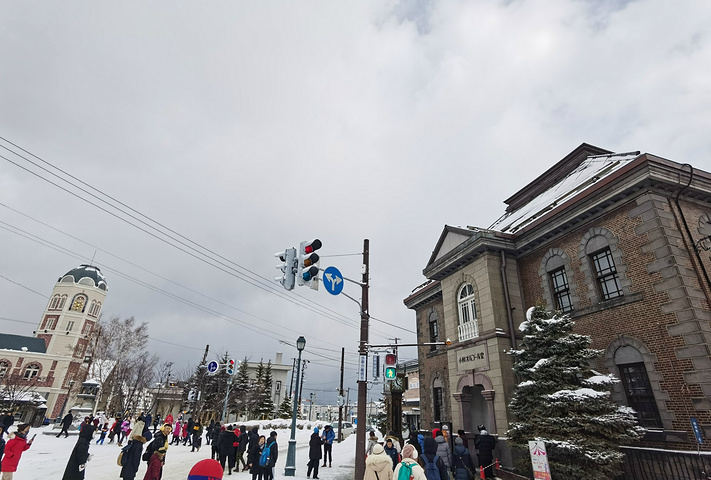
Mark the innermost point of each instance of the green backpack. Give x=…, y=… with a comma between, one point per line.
x=405, y=471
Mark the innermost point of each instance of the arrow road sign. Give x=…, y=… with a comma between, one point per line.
x=333, y=280
x=212, y=367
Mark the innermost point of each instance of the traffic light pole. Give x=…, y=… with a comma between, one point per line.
x=363, y=350
x=227, y=396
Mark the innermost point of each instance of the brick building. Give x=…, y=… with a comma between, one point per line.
x=618, y=241
x=51, y=362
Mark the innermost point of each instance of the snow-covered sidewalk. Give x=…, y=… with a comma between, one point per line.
x=48, y=457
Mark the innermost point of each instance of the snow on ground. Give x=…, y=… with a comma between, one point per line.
x=48, y=457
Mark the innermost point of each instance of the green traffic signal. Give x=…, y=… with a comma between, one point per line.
x=390, y=373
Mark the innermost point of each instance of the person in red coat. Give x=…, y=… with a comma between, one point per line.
x=155, y=465
x=14, y=449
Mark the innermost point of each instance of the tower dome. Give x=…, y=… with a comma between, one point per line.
x=86, y=275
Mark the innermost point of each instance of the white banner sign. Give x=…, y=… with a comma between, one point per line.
x=363, y=369
x=539, y=460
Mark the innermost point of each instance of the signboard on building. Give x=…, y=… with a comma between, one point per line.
x=539, y=460
x=472, y=358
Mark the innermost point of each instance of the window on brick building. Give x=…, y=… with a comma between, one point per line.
x=434, y=331
x=70, y=325
x=468, y=323
x=79, y=303
x=638, y=389
x=4, y=367
x=561, y=290
x=437, y=402
x=31, y=371
x=54, y=303
x=608, y=281
x=50, y=324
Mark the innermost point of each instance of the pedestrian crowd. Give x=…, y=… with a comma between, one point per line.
x=429, y=457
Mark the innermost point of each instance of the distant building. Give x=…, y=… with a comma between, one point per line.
x=51, y=359
x=621, y=243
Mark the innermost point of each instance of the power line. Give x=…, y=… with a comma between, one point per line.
x=268, y=287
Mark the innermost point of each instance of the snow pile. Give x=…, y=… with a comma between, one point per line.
x=601, y=380
x=540, y=363
x=577, y=395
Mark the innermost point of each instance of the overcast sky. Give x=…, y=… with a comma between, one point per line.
x=248, y=127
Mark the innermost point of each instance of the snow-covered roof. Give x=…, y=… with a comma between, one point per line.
x=100, y=370
x=589, y=172
x=24, y=397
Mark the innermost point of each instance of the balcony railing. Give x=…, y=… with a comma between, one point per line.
x=468, y=330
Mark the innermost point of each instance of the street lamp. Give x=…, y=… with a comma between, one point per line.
x=290, y=469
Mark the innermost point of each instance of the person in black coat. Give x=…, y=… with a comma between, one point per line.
x=7, y=421
x=253, y=438
x=2, y=440
x=76, y=467
x=412, y=440
x=160, y=440
x=253, y=458
x=216, y=430
x=314, y=454
x=243, y=440
x=273, y=455
x=485, y=445
x=208, y=431
x=430, y=452
x=66, y=423
x=225, y=445
x=188, y=440
x=132, y=457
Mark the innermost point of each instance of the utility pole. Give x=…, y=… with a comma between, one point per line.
x=340, y=394
x=363, y=350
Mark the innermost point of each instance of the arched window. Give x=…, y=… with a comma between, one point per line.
x=54, y=303
x=94, y=308
x=602, y=263
x=437, y=400
x=78, y=303
x=559, y=286
x=4, y=367
x=31, y=371
x=468, y=324
x=638, y=389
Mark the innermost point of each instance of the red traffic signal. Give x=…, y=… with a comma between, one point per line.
x=230, y=367
x=390, y=359
x=310, y=247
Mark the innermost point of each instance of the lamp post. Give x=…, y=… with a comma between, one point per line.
x=290, y=469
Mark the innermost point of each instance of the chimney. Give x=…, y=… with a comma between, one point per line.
x=277, y=359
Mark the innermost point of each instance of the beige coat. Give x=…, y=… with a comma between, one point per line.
x=378, y=463
x=418, y=473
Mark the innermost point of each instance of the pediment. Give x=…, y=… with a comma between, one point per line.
x=450, y=239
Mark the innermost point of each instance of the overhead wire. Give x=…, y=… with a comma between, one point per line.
x=268, y=287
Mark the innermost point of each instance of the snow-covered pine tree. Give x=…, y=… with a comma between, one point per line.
x=267, y=388
x=243, y=389
x=263, y=404
x=562, y=401
x=285, y=409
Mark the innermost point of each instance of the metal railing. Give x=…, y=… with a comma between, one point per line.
x=657, y=464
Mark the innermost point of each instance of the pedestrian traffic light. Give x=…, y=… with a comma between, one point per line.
x=288, y=276
x=230, y=367
x=307, y=264
x=390, y=369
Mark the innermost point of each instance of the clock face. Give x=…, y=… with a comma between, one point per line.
x=705, y=225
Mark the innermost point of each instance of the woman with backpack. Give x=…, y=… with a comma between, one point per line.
x=379, y=465
x=408, y=468
x=253, y=458
x=131, y=458
x=463, y=464
x=270, y=461
x=435, y=468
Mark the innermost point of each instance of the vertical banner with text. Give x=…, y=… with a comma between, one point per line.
x=539, y=460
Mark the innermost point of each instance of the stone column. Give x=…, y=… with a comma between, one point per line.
x=489, y=397
x=465, y=412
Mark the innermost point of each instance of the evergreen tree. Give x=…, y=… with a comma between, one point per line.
x=562, y=401
x=263, y=404
x=286, y=408
x=381, y=417
x=267, y=389
x=243, y=389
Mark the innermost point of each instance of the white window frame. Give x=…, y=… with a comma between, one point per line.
x=31, y=371
x=466, y=307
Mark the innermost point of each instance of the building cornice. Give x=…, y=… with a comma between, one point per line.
x=483, y=241
x=423, y=296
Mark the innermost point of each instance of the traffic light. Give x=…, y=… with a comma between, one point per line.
x=390, y=369
x=307, y=264
x=288, y=277
x=230, y=367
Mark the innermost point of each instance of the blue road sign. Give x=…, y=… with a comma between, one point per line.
x=697, y=431
x=213, y=366
x=333, y=280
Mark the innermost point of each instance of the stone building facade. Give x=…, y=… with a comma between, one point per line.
x=618, y=241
